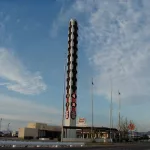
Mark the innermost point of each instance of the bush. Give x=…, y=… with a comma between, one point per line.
x=145, y=137
x=93, y=141
x=28, y=137
x=59, y=138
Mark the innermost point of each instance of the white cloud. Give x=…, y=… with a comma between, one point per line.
x=118, y=41
x=116, y=36
x=18, y=78
x=22, y=111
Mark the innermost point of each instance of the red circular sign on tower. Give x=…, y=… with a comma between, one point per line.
x=73, y=114
x=131, y=126
x=73, y=104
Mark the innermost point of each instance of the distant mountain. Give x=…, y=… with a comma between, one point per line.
x=148, y=133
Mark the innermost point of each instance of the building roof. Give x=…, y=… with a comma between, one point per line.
x=88, y=127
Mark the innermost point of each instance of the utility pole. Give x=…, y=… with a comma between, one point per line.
x=1, y=123
x=119, y=113
x=92, y=107
x=111, y=108
x=64, y=88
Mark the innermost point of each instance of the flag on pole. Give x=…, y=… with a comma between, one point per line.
x=92, y=82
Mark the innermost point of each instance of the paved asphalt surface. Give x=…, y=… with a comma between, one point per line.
x=137, y=146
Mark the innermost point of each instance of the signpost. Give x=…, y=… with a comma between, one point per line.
x=82, y=122
x=131, y=127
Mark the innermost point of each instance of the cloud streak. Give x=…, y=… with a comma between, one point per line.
x=24, y=110
x=17, y=77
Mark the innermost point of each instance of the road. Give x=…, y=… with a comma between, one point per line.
x=137, y=146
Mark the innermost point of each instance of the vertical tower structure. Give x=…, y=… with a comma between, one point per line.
x=71, y=86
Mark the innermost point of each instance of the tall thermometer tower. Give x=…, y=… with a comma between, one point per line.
x=71, y=86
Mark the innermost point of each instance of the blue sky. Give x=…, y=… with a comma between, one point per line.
x=113, y=43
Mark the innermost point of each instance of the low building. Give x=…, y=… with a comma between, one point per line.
x=81, y=122
x=42, y=130
x=28, y=133
x=39, y=130
x=96, y=132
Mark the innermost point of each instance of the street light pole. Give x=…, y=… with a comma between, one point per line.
x=92, y=107
x=119, y=113
x=111, y=108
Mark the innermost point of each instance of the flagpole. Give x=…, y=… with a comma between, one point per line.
x=111, y=108
x=119, y=112
x=92, y=107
